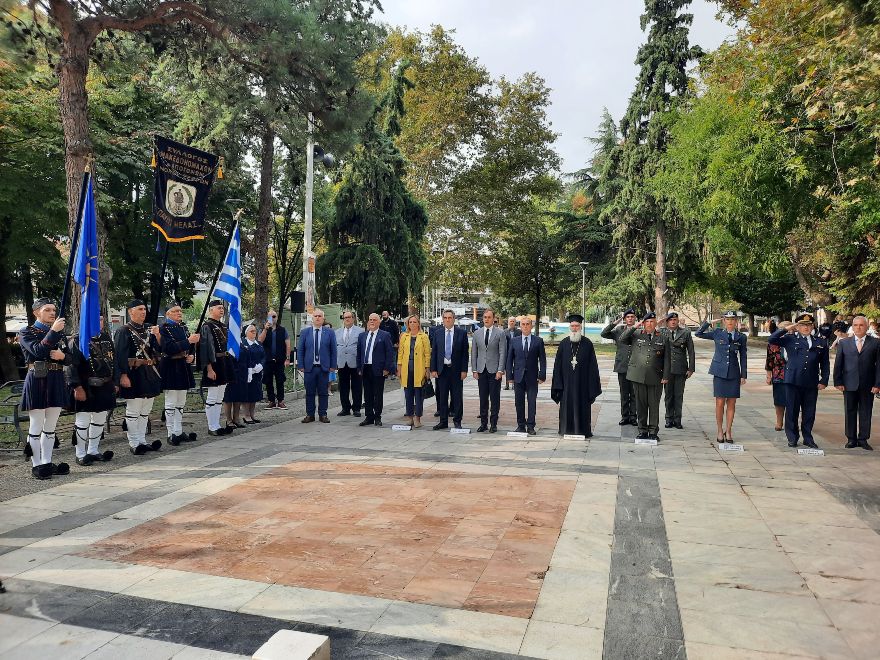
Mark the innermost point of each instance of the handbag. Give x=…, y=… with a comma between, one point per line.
x=428, y=389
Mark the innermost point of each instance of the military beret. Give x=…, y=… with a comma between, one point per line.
x=215, y=303
x=628, y=311
x=730, y=314
x=575, y=318
x=672, y=315
x=135, y=302
x=649, y=316
x=805, y=318
x=41, y=302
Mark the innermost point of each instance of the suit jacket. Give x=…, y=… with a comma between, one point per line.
x=305, y=350
x=459, y=350
x=384, y=355
x=680, y=356
x=854, y=370
x=347, y=353
x=527, y=369
x=729, y=360
x=493, y=358
x=807, y=366
x=621, y=357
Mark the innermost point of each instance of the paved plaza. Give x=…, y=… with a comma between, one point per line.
x=427, y=544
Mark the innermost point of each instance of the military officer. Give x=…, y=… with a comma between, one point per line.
x=621, y=361
x=92, y=382
x=680, y=365
x=646, y=371
x=175, y=341
x=729, y=367
x=219, y=367
x=137, y=349
x=806, y=373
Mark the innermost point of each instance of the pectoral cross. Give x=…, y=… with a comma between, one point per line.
x=574, y=361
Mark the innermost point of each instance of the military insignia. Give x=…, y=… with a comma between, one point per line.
x=180, y=199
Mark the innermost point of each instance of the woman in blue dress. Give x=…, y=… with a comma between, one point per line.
x=45, y=390
x=729, y=368
x=256, y=363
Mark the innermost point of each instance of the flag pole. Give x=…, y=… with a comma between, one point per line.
x=74, y=242
x=219, y=267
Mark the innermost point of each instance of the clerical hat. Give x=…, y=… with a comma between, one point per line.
x=575, y=318
x=135, y=302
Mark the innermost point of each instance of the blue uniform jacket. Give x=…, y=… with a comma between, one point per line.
x=807, y=366
x=729, y=360
x=305, y=350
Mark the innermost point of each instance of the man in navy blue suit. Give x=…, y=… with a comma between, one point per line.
x=806, y=372
x=449, y=365
x=527, y=361
x=376, y=359
x=316, y=358
x=857, y=375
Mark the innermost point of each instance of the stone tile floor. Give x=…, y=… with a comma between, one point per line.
x=425, y=544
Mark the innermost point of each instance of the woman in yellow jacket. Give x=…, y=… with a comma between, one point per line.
x=413, y=364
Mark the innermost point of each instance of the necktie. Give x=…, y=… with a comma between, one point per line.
x=449, y=344
x=730, y=337
x=859, y=344
x=527, y=343
x=488, y=332
x=317, y=345
x=369, y=356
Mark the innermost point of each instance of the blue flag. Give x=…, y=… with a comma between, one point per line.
x=85, y=273
x=229, y=289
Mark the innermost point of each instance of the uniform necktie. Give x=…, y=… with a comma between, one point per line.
x=730, y=337
x=449, y=344
x=369, y=357
x=317, y=345
x=488, y=332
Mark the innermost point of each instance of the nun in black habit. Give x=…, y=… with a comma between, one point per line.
x=575, y=380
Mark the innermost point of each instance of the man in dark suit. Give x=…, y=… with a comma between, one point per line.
x=316, y=358
x=449, y=365
x=806, y=373
x=857, y=375
x=376, y=359
x=527, y=361
x=511, y=332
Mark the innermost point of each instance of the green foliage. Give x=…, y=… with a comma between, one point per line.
x=765, y=296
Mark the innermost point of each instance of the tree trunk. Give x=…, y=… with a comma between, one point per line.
x=753, y=331
x=661, y=297
x=264, y=220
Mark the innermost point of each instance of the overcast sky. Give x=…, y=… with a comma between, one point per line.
x=584, y=50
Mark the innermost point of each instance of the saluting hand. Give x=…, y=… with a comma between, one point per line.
x=59, y=324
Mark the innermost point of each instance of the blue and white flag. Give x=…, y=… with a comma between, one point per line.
x=85, y=273
x=229, y=289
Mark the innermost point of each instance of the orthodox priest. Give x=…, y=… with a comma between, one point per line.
x=575, y=380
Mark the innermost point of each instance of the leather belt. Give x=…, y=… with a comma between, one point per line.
x=50, y=366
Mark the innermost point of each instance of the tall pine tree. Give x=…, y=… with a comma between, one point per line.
x=642, y=223
x=375, y=256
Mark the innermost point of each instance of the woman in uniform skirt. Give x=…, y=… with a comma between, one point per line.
x=729, y=368
x=219, y=367
x=92, y=383
x=45, y=391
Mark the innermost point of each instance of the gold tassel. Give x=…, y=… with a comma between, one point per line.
x=220, y=168
x=153, y=161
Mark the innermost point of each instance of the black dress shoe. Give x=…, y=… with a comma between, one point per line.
x=864, y=445
x=216, y=433
x=156, y=445
x=42, y=472
x=532, y=431
x=85, y=461
x=493, y=429
x=633, y=422
x=520, y=429
x=669, y=425
x=436, y=414
x=103, y=456
x=378, y=422
x=439, y=426
x=482, y=428
x=227, y=430
x=238, y=425
x=810, y=444
x=343, y=413
x=174, y=440
x=190, y=437
x=678, y=425
x=324, y=419
x=653, y=436
x=457, y=424
x=851, y=444
x=140, y=450
x=623, y=422
x=792, y=443
x=642, y=436
x=308, y=419
x=366, y=422
x=356, y=413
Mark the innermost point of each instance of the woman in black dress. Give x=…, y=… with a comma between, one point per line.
x=45, y=391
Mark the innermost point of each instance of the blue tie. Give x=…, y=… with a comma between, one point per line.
x=317, y=338
x=448, y=345
x=367, y=356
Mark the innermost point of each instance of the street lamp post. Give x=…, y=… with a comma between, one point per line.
x=583, y=265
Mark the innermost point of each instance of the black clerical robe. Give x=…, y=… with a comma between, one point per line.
x=575, y=385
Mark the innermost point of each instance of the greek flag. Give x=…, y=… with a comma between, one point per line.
x=229, y=289
x=85, y=272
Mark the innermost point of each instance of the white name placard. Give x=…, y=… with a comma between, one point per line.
x=810, y=451
x=459, y=431
x=517, y=434
x=401, y=427
x=574, y=436
x=729, y=447
x=646, y=441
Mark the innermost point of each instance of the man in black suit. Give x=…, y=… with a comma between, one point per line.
x=376, y=359
x=449, y=365
x=511, y=332
x=857, y=375
x=527, y=361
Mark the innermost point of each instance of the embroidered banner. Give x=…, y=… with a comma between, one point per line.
x=184, y=176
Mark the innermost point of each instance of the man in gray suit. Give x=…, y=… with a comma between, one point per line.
x=857, y=375
x=488, y=357
x=349, y=379
x=621, y=362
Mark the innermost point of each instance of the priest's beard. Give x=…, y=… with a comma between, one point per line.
x=575, y=336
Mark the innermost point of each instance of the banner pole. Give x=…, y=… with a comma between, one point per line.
x=157, y=299
x=74, y=243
